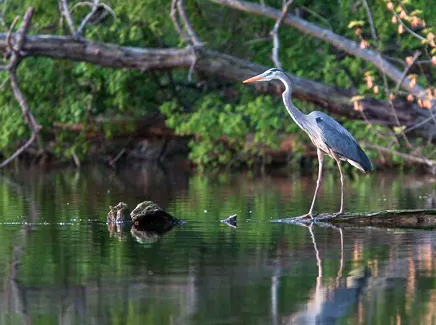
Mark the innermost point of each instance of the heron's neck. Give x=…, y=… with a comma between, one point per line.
x=295, y=113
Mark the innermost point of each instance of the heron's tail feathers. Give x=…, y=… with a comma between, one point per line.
x=364, y=164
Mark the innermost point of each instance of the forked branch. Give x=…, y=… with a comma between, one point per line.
x=275, y=35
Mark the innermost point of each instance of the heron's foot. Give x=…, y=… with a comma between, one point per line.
x=304, y=218
x=334, y=215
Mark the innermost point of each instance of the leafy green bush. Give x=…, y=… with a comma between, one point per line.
x=67, y=92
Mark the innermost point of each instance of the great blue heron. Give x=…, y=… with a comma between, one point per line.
x=326, y=134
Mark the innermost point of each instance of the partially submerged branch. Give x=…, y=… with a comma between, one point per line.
x=419, y=218
x=424, y=218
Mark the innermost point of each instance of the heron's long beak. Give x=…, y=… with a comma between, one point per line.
x=254, y=79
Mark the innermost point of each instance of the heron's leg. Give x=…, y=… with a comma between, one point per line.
x=341, y=210
x=319, y=180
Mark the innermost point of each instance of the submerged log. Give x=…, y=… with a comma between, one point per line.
x=418, y=218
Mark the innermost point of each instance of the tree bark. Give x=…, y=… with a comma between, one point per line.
x=223, y=66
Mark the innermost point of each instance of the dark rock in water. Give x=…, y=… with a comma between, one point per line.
x=231, y=221
x=119, y=213
x=149, y=216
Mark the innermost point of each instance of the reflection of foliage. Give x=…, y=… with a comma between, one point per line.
x=61, y=255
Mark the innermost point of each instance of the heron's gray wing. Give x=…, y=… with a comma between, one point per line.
x=337, y=138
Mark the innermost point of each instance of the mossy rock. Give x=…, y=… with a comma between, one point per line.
x=149, y=216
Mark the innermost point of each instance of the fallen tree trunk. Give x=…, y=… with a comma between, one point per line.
x=224, y=66
x=419, y=218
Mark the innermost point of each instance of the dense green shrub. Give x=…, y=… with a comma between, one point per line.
x=72, y=92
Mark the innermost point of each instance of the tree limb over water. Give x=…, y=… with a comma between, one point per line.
x=223, y=66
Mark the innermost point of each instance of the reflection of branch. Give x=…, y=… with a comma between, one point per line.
x=12, y=69
x=275, y=36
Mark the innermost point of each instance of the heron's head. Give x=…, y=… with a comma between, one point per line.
x=266, y=76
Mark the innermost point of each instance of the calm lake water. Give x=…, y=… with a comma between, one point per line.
x=60, y=264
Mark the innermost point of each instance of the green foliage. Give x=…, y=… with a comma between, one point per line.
x=221, y=129
x=67, y=92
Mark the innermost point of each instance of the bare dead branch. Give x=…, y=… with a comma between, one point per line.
x=275, y=36
x=406, y=70
x=191, y=33
x=173, y=15
x=63, y=5
x=4, y=83
x=12, y=69
x=191, y=38
x=411, y=32
x=11, y=29
x=94, y=8
x=87, y=18
x=431, y=164
x=19, y=151
x=328, y=36
x=91, y=4
x=371, y=21
x=75, y=159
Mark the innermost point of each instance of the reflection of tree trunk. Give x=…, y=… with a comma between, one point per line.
x=16, y=297
x=222, y=66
